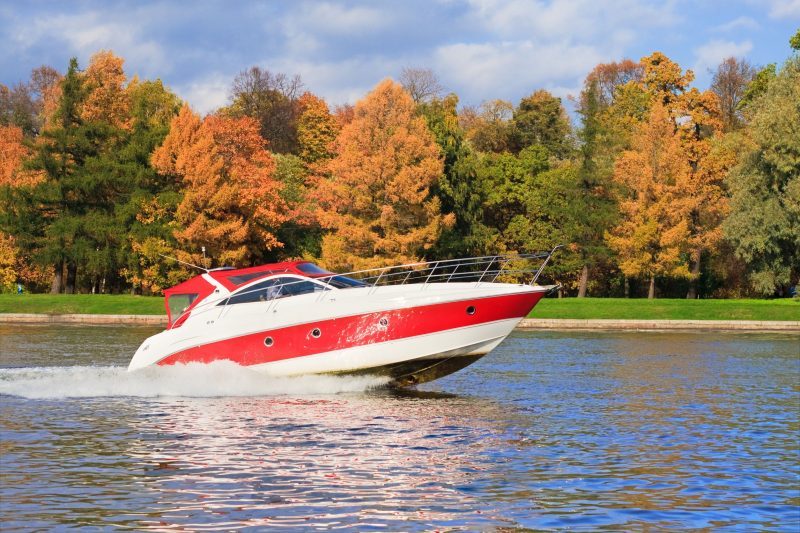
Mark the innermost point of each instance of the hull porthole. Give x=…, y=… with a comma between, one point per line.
x=471, y=310
x=316, y=333
x=268, y=342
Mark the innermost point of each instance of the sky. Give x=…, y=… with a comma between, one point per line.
x=480, y=49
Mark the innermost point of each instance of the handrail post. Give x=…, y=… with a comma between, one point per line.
x=491, y=261
x=544, y=263
x=453, y=272
x=503, y=263
x=435, y=266
x=375, y=284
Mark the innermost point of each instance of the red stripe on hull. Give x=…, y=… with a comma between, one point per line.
x=359, y=330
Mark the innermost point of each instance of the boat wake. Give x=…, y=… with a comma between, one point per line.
x=222, y=378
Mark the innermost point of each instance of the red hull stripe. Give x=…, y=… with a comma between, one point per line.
x=358, y=330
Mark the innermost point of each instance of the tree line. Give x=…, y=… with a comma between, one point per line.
x=660, y=189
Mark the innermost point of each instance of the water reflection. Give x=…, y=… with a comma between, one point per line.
x=580, y=431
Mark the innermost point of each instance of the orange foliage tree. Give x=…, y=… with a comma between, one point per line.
x=12, y=153
x=653, y=232
x=230, y=203
x=375, y=192
x=697, y=117
x=317, y=128
x=106, y=97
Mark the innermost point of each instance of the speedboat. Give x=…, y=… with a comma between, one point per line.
x=410, y=323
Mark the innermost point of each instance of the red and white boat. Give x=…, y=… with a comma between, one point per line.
x=412, y=323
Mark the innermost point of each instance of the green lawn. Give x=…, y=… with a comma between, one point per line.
x=672, y=309
x=122, y=304
x=90, y=304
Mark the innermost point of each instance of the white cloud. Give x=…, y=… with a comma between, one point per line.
x=89, y=32
x=740, y=23
x=571, y=19
x=782, y=9
x=713, y=52
x=511, y=69
x=205, y=94
x=345, y=81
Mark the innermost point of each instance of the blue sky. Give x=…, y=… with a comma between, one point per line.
x=480, y=49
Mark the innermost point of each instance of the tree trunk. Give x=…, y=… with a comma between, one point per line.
x=626, y=286
x=692, y=293
x=58, y=278
x=584, y=281
x=652, y=292
x=72, y=274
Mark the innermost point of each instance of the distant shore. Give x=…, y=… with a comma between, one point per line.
x=787, y=326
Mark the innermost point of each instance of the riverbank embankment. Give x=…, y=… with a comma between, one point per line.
x=527, y=324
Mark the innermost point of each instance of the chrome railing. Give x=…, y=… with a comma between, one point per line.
x=508, y=268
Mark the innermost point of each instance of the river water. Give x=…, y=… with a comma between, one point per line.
x=586, y=431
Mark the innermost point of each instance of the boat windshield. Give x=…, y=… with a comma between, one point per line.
x=271, y=289
x=340, y=282
x=179, y=303
x=314, y=270
x=343, y=282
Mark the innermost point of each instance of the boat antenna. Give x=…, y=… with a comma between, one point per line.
x=184, y=262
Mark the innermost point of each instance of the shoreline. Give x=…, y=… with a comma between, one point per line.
x=602, y=324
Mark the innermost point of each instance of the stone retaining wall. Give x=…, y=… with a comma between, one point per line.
x=660, y=325
x=35, y=318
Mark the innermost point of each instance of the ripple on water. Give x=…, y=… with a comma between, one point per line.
x=579, y=431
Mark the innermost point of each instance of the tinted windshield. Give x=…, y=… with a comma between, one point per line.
x=271, y=289
x=343, y=282
x=311, y=268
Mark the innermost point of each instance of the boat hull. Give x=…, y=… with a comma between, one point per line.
x=408, y=337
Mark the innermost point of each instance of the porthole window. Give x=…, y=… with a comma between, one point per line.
x=316, y=333
x=471, y=310
x=268, y=342
x=383, y=322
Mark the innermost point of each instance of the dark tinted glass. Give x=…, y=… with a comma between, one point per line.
x=311, y=268
x=343, y=282
x=270, y=289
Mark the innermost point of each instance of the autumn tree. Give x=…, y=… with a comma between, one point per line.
x=151, y=199
x=104, y=81
x=317, y=128
x=611, y=104
x=421, y=83
x=230, y=199
x=26, y=105
x=491, y=128
x=17, y=108
x=696, y=117
x=653, y=233
x=607, y=77
x=729, y=83
x=13, y=153
x=663, y=78
x=458, y=187
x=375, y=193
x=272, y=100
x=541, y=119
x=764, y=222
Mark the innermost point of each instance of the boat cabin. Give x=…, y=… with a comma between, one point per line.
x=246, y=285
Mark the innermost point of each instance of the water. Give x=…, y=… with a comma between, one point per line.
x=584, y=431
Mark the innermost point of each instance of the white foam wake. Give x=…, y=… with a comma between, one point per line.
x=222, y=378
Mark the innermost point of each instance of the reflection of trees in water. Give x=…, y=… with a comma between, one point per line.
x=386, y=456
x=684, y=405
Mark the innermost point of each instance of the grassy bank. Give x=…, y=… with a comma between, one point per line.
x=619, y=308
x=642, y=309
x=90, y=304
